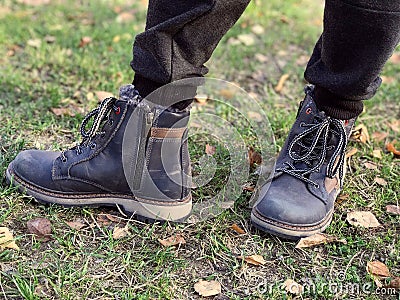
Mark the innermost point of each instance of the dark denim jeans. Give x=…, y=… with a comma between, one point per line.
x=358, y=38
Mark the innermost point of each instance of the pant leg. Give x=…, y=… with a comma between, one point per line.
x=180, y=37
x=359, y=37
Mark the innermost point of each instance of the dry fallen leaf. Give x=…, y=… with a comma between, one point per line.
x=201, y=99
x=395, y=58
x=102, y=220
x=254, y=259
x=388, y=79
x=173, y=241
x=379, y=136
x=317, y=239
x=341, y=198
x=7, y=239
x=391, y=148
x=35, y=43
x=210, y=150
x=207, y=288
x=377, y=268
x=362, y=218
x=395, y=125
x=34, y=2
x=254, y=157
x=351, y=152
x=101, y=95
x=120, y=232
x=236, y=228
x=226, y=93
x=247, y=39
x=85, y=41
x=125, y=17
x=255, y=116
x=77, y=225
x=248, y=187
x=293, y=287
x=370, y=166
x=261, y=57
x=393, y=209
x=377, y=153
x=278, y=88
x=257, y=29
x=360, y=133
x=41, y=227
x=394, y=283
x=380, y=181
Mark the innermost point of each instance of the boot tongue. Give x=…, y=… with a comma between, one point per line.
x=128, y=93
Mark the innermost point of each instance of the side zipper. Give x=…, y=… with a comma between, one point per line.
x=147, y=122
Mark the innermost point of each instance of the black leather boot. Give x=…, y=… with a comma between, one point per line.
x=308, y=175
x=135, y=155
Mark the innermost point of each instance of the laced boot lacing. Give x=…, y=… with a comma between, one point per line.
x=312, y=145
x=100, y=115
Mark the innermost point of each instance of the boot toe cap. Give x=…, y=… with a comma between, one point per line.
x=35, y=167
x=291, y=204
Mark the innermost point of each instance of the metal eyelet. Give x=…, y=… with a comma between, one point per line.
x=64, y=159
x=302, y=124
x=111, y=122
x=103, y=135
x=93, y=146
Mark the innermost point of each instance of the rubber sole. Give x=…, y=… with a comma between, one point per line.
x=143, y=209
x=286, y=231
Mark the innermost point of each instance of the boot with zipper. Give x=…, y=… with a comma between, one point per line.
x=134, y=155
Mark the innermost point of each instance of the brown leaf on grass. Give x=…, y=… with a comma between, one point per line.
x=395, y=58
x=41, y=227
x=226, y=93
x=207, y=288
x=173, y=241
x=302, y=60
x=7, y=239
x=125, y=16
x=101, y=95
x=34, y=2
x=257, y=29
x=391, y=148
x=393, y=209
x=210, y=150
x=379, y=136
x=261, y=57
x=388, y=79
x=246, y=39
x=35, y=43
x=248, y=187
x=102, y=220
x=395, y=125
x=236, y=228
x=278, y=88
x=254, y=259
x=377, y=153
x=394, y=283
x=377, y=268
x=201, y=99
x=77, y=225
x=293, y=287
x=362, y=218
x=351, y=152
x=341, y=198
x=318, y=239
x=86, y=40
x=255, y=116
x=370, y=166
x=254, y=157
x=120, y=232
x=380, y=181
x=360, y=134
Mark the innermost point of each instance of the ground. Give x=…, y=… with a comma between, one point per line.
x=46, y=63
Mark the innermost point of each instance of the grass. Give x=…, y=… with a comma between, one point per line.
x=90, y=263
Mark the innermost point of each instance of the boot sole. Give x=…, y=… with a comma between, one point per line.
x=142, y=209
x=286, y=231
